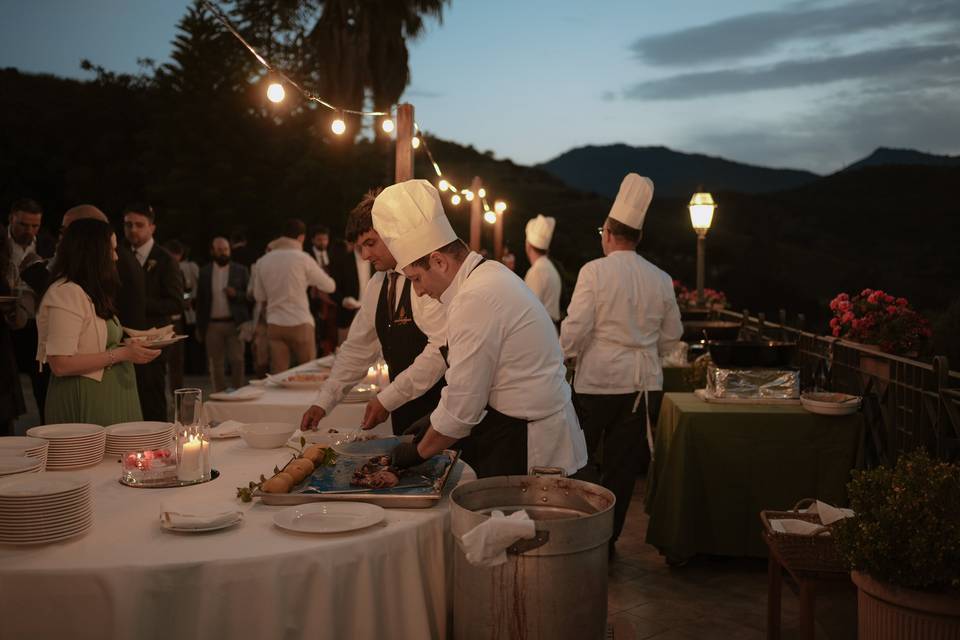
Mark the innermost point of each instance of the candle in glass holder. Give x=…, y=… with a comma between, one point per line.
x=193, y=455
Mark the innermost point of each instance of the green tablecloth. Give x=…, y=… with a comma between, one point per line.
x=674, y=380
x=718, y=465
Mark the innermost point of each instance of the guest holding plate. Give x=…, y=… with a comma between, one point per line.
x=93, y=378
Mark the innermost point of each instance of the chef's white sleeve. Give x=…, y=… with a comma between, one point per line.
x=360, y=350
x=577, y=327
x=671, y=327
x=475, y=338
x=536, y=280
x=428, y=367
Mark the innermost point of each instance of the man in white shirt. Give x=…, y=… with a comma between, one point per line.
x=283, y=276
x=407, y=329
x=506, y=403
x=623, y=315
x=542, y=277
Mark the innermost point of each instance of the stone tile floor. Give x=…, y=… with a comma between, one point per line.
x=723, y=598
x=710, y=597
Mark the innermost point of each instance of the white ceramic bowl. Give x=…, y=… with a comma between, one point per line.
x=266, y=435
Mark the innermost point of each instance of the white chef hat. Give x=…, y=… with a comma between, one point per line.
x=409, y=217
x=632, y=201
x=540, y=231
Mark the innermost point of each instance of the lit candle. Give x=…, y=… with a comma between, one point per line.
x=190, y=466
x=371, y=376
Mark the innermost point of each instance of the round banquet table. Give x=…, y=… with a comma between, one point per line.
x=129, y=578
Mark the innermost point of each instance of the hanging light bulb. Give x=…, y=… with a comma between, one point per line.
x=387, y=125
x=455, y=199
x=338, y=126
x=500, y=206
x=482, y=192
x=444, y=185
x=275, y=92
x=415, y=142
x=490, y=217
x=468, y=195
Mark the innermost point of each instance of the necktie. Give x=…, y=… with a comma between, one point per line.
x=392, y=291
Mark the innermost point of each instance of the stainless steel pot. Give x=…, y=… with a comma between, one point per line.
x=554, y=586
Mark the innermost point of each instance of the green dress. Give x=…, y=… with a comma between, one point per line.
x=114, y=399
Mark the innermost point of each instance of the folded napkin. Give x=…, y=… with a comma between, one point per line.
x=486, y=544
x=228, y=428
x=150, y=333
x=797, y=527
x=829, y=513
x=198, y=515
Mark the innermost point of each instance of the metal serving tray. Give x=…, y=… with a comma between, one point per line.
x=321, y=487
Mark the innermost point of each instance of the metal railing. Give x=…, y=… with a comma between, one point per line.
x=907, y=403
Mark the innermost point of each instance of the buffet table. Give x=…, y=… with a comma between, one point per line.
x=128, y=578
x=278, y=404
x=716, y=466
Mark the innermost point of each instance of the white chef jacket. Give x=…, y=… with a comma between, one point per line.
x=503, y=352
x=544, y=280
x=362, y=348
x=623, y=315
x=283, y=276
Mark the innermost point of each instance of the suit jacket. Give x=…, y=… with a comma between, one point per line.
x=239, y=279
x=164, y=287
x=343, y=269
x=46, y=245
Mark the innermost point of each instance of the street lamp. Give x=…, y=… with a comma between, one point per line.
x=701, y=208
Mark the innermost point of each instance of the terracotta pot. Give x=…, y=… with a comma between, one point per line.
x=888, y=612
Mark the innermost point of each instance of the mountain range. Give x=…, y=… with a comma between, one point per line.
x=599, y=169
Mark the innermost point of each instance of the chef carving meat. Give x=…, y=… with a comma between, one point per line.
x=506, y=401
x=622, y=316
x=406, y=329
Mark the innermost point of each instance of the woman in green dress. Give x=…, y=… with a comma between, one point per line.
x=93, y=379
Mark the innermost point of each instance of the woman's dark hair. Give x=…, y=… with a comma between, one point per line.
x=85, y=257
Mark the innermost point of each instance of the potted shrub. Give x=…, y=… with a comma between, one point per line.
x=903, y=546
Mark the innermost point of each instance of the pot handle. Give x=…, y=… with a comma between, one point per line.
x=529, y=544
x=547, y=471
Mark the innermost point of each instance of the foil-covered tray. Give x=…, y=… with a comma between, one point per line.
x=420, y=487
x=753, y=383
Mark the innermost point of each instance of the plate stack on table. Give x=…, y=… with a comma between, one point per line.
x=137, y=436
x=72, y=446
x=361, y=393
x=24, y=445
x=15, y=465
x=44, y=507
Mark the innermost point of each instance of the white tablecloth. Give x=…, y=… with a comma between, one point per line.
x=128, y=578
x=279, y=404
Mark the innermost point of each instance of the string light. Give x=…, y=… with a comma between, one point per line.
x=415, y=142
x=387, y=125
x=444, y=185
x=338, y=126
x=455, y=199
x=500, y=206
x=490, y=217
x=482, y=192
x=275, y=92
x=468, y=195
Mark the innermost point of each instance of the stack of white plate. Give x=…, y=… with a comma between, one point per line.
x=137, y=436
x=362, y=393
x=72, y=446
x=15, y=465
x=44, y=507
x=23, y=445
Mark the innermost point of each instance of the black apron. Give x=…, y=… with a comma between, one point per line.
x=402, y=341
x=497, y=445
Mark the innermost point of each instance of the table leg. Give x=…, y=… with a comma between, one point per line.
x=775, y=575
x=808, y=599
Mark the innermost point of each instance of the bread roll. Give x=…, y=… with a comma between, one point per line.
x=280, y=483
x=314, y=453
x=299, y=469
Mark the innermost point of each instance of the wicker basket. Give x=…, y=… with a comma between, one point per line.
x=815, y=552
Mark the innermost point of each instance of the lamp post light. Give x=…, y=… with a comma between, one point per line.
x=701, y=208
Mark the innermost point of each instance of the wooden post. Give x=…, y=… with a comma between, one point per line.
x=475, y=214
x=498, y=237
x=404, y=164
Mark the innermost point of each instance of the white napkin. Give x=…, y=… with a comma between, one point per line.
x=486, y=544
x=227, y=428
x=325, y=361
x=829, y=513
x=198, y=515
x=797, y=527
x=154, y=333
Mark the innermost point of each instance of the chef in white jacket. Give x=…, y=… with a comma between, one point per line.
x=623, y=315
x=506, y=403
x=542, y=277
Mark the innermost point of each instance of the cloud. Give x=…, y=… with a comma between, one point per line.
x=764, y=32
x=934, y=60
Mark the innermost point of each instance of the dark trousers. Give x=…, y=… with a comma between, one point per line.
x=152, y=388
x=25, y=349
x=610, y=420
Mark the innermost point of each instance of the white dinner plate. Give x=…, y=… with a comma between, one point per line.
x=158, y=344
x=329, y=517
x=42, y=485
x=238, y=395
x=223, y=525
x=65, y=431
x=317, y=378
x=11, y=464
x=22, y=443
x=126, y=429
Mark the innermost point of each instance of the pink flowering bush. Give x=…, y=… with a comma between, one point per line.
x=687, y=298
x=875, y=317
